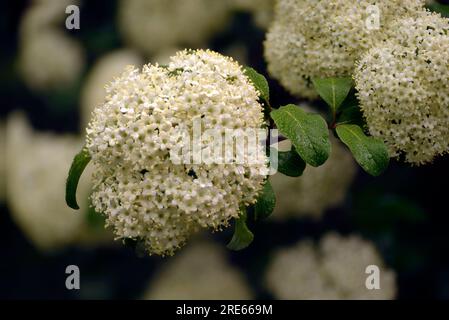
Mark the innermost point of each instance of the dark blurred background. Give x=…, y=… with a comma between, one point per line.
x=404, y=212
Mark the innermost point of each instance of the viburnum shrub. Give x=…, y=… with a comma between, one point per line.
x=156, y=183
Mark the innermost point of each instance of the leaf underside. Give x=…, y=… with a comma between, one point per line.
x=369, y=152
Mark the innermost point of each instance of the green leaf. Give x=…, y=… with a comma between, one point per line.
x=265, y=203
x=376, y=211
x=260, y=83
x=333, y=90
x=78, y=165
x=290, y=163
x=440, y=8
x=370, y=153
x=95, y=220
x=242, y=237
x=308, y=133
x=350, y=111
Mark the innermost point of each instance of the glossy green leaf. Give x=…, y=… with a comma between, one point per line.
x=78, y=165
x=370, y=153
x=265, y=203
x=260, y=83
x=95, y=220
x=443, y=9
x=308, y=133
x=350, y=112
x=333, y=90
x=242, y=237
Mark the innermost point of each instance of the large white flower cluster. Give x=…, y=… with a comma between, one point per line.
x=404, y=91
x=334, y=269
x=36, y=168
x=137, y=185
x=154, y=25
x=310, y=38
x=48, y=57
x=200, y=272
x=317, y=190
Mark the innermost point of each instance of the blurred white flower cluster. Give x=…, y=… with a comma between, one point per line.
x=48, y=58
x=2, y=161
x=317, y=190
x=200, y=272
x=404, y=90
x=334, y=269
x=36, y=169
x=142, y=192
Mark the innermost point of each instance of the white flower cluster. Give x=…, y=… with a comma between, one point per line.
x=48, y=58
x=404, y=91
x=154, y=25
x=310, y=38
x=334, y=269
x=104, y=71
x=43, y=15
x=200, y=272
x=142, y=192
x=317, y=190
x=36, y=169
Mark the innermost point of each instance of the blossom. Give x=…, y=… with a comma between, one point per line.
x=147, y=114
x=36, y=168
x=318, y=189
x=154, y=25
x=310, y=38
x=333, y=269
x=403, y=89
x=201, y=272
